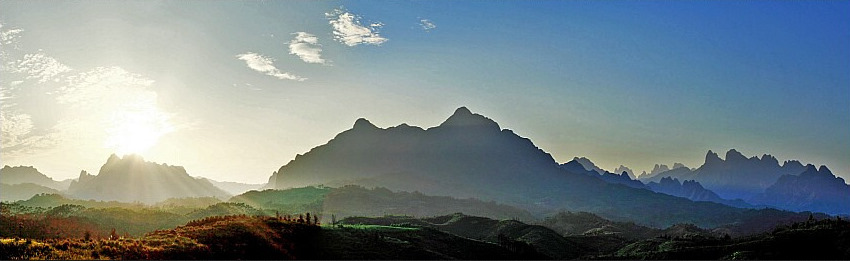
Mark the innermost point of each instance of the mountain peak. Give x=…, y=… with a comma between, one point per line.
x=462, y=117
x=363, y=123
x=734, y=155
x=462, y=111
x=825, y=170
x=712, y=157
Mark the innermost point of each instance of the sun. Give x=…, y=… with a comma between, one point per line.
x=136, y=131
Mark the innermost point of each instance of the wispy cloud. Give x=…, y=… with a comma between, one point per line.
x=427, y=25
x=348, y=30
x=109, y=105
x=39, y=66
x=9, y=36
x=104, y=105
x=266, y=65
x=306, y=46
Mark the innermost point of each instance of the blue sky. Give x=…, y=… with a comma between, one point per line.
x=216, y=86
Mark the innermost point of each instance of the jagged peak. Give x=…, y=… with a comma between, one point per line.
x=712, y=157
x=734, y=155
x=811, y=168
x=462, y=111
x=112, y=158
x=792, y=163
x=363, y=123
x=462, y=117
x=823, y=169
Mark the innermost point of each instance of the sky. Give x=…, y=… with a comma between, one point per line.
x=233, y=90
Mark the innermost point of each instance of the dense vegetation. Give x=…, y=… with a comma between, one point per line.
x=323, y=223
x=812, y=239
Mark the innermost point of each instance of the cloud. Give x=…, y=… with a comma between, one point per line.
x=348, y=30
x=306, y=46
x=19, y=136
x=90, y=87
x=39, y=66
x=427, y=25
x=266, y=65
x=10, y=36
x=111, y=106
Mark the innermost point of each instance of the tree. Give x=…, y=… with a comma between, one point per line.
x=315, y=220
x=333, y=220
x=87, y=235
x=308, y=218
x=113, y=235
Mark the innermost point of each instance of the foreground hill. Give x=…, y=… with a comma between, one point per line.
x=246, y=237
x=358, y=201
x=811, y=240
x=536, y=239
x=131, y=179
x=469, y=155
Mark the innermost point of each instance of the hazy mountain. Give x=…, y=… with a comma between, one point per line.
x=627, y=170
x=234, y=188
x=468, y=155
x=29, y=174
x=692, y=190
x=736, y=176
x=679, y=165
x=662, y=168
x=589, y=165
x=813, y=190
x=575, y=166
x=24, y=191
x=131, y=179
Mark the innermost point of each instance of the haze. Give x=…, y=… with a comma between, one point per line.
x=233, y=90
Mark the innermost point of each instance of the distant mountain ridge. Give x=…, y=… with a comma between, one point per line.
x=736, y=176
x=585, y=166
x=813, y=190
x=692, y=190
x=131, y=179
x=469, y=155
x=28, y=174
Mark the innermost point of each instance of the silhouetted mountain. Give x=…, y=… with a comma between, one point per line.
x=469, y=156
x=736, y=177
x=691, y=190
x=234, y=188
x=627, y=170
x=813, y=190
x=131, y=179
x=661, y=168
x=589, y=165
x=29, y=174
x=575, y=166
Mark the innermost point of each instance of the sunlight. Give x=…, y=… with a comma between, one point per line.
x=136, y=131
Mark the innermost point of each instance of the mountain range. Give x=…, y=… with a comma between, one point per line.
x=736, y=176
x=469, y=155
x=132, y=179
x=813, y=190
